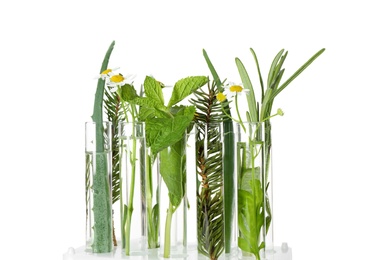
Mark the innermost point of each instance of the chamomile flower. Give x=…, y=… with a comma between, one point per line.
x=117, y=80
x=107, y=73
x=235, y=89
x=232, y=91
x=221, y=97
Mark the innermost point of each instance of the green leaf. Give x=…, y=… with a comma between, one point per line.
x=172, y=165
x=273, y=67
x=267, y=101
x=146, y=113
x=213, y=71
x=248, y=85
x=247, y=178
x=153, y=89
x=97, y=116
x=259, y=72
x=97, y=111
x=298, y=72
x=127, y=93
x=148, y=103
x=251, y=217
x=184, y=87
x=163, y=132
x=244, y=245
x=155, y=214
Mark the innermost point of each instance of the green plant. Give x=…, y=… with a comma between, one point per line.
x=210, y=203
x=254, y=212
x=115, y=113
x=228, y=162
x=120, y=110
x=101, y=194
x=166, y=126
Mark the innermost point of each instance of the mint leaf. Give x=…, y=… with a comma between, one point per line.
x=163, y=132
x=153, y=89
x=184, y=87
x=149, y=103
x=127, y=92
x=172, y=170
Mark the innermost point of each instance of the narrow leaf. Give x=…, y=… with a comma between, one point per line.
x=273, y=67
x=298, y=72
x=259, y=74
x=248, y=85
x=213, y=71
x=97, y=116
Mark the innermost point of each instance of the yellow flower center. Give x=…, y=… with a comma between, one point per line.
x=236, y=88
x=117, y=78
x=221, y=97
x=105, y=72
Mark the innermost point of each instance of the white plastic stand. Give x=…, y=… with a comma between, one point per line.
x=281, y=253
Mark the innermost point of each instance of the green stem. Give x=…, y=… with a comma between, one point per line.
x=167, y=236
x=151, y=222
x=122, y=213
x=237, y=111
x=132, y=153
x=228, y=115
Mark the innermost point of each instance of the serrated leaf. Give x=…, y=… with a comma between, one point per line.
x=127, y=92
x=163, y=132
x=153, y=89
x=184, y=87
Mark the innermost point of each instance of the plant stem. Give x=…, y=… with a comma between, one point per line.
x=132, y=153
x=151, y=222
x=237, y=111
x=167, y=236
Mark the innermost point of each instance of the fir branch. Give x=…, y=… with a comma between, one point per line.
x=210, y=204
x=114, y=112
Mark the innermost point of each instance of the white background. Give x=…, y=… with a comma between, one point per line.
x=51, y=51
